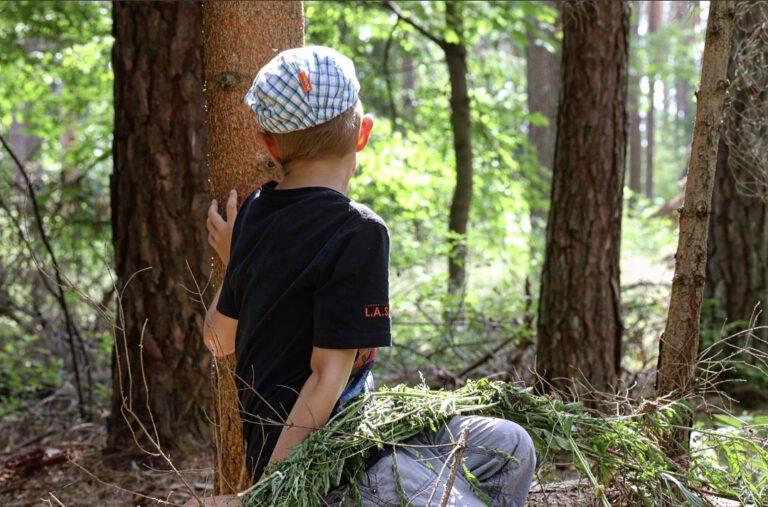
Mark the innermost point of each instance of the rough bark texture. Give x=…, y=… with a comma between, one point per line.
x=159, y=202
x=737, y=269
x=239, y=38
x=461, y=125
x=654, y=18
x=635, y=140
x=579, y=325
x=543, y=86
x=679, y=343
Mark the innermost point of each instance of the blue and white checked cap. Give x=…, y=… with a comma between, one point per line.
x=301, y=88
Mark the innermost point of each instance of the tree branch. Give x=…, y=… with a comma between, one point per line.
x=388, y=77
x=426, y=33
x=72, y=332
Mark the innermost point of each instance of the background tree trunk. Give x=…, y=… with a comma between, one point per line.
x=737, y=269
x=654, y=18
x=685, y=11
x=579, y=325
x=679, y=343
x=635, y=139
x=543, y=87
x=239, y=39
x=159, y=202
x=461, y=125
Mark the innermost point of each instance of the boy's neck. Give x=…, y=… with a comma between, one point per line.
x=333, y=173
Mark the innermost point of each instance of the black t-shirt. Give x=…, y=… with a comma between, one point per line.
x=308, y=267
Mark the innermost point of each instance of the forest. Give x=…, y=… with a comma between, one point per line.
x=576, y=193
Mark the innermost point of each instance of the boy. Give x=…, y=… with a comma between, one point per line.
x=306, y=290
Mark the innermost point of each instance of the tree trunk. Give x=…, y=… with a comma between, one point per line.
x=579, y=327
x=159, y=203
x=635, y=142
x=679, y=343
x=239, y=39
x=461, y=125
x=682, y=91
x=737, y=269
x=543, y=86
x=654, y=17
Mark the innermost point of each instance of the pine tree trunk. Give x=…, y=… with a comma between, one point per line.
x=679, y=343
x=159, y=203
x=737, y=269
x=579, y=325
x=461, y=125
x=543, y=86
x=239, y=38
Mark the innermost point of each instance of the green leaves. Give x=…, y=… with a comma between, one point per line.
x=621, y=448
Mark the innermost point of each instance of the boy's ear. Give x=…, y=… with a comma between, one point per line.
x=270, y=144
x=366, y=125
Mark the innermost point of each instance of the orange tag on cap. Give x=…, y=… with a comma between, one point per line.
x=304, y=78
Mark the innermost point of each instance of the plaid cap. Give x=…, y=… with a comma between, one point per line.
x=301, y=88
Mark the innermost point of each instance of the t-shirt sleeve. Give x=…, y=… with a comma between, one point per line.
x=227, y=304
x=352, y=299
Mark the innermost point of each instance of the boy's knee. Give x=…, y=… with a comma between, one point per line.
x=501, y=435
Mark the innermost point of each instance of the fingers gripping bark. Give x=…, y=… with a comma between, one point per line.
x=219, y=228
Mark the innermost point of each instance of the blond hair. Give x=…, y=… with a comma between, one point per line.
x=337, y=136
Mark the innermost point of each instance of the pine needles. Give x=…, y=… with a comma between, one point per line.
x=622, y=454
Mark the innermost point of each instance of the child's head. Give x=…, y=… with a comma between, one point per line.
x=306, y=100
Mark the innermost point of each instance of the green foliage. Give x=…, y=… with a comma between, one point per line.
x=56, y=112
x=27, y=369
x=407, y=174
x=624, y=451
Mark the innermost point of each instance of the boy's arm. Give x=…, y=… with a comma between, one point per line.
x=330, y=372
x=219, y=330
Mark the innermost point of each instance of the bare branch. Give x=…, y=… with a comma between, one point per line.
x=74, y=338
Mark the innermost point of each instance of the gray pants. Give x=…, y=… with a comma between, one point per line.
x=500, y=456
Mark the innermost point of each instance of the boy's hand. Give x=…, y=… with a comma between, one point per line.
x=220, y=230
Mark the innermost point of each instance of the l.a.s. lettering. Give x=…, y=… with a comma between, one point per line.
x=374, y=311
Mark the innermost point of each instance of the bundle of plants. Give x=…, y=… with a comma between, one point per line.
x=623, y=454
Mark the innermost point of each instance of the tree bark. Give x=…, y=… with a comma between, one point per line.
x=159, y=202
x=461, y=125
x=654, y=18
x=239, y=39
x=579, y=325
x=737, y=266
x=679, y=343
x=543, y=87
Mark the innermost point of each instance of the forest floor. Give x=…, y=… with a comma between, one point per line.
x=49, y=457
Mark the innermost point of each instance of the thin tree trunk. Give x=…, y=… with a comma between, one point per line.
x=159, y=202
x=461, y=125
x=543, y=86
x=679, y=343
x=239, y=38
x=579, y=325
x=654, y=17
